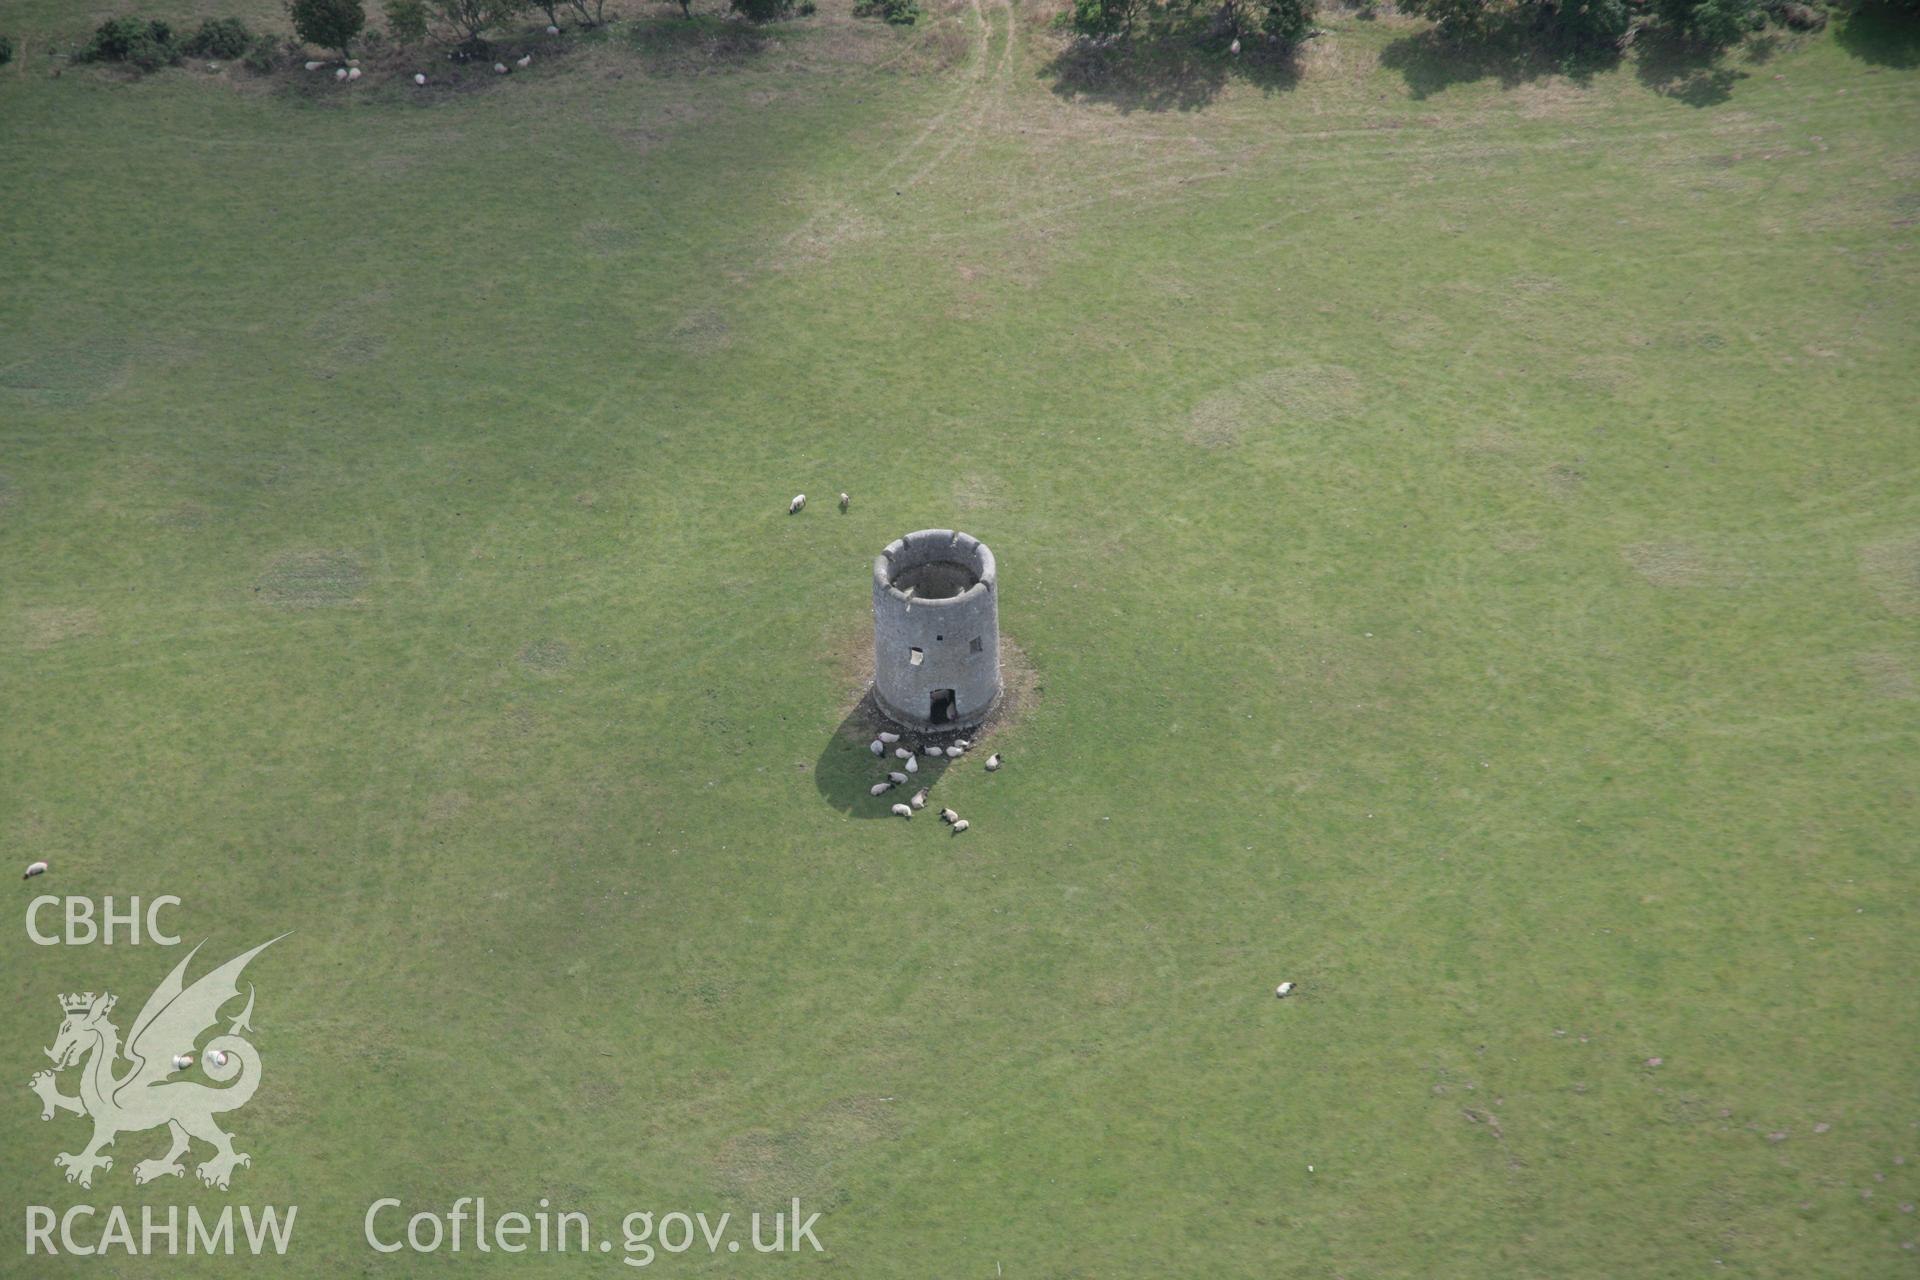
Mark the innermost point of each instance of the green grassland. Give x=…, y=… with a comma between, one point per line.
x=1463, y=524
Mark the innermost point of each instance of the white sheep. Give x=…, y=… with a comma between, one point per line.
x=903, y=753
x=889, y=738
x=845, y=501
x=315, y=66
x=799, y=501
x=524, y=63
x=878, y=747
x=552, y=30
x=418, y=78
x=1235, y=46
x=962, y=743
x=341, y=74
x=932, y=753
x=353, y=62
x=880, y=788
x=353, y=73
x=913, y=765
x=954, y=753
x=218, y=1057
x=960, y=826
x=181, y=1061
x=948, y=815
x=919, y=800
x=902, y=811
x=499, y=68
x=34, y=869
x=1284, y=990
x=993, y=762
x=898, y=778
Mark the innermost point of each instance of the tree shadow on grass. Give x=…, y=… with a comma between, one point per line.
x=1510, y=54
x=1686, y=72
x=1172, y=74
x=1882, y=35
x=847, y=767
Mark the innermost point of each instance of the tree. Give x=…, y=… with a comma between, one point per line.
x=407, y=20
x=331, y=24
x=761, y=10
x=592, y=12
x=1286, y=22
x=471, y=17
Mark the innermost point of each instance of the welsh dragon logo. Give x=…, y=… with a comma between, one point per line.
x=158, y=1047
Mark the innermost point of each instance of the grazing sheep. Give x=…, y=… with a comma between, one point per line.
x=1284, y=990
x=418, y=78
x=524, y=63
x=919, y=800
x=913, y=765
x=948, y=815
x=552, y=30
x=181, y=1061
x=315, y=66
x=960, y=826
x=930, y=752
x=963, y=743
x=34, y=869
x=499, y=68
x=954, y=753
x=353, y=73
x=902, y=811
x=878, y=747
x=1235, y=46
x=845, y=501
x=353, y=62
x=889, y=738
x=218, y=1057
x=880, y=788
x=898, y=778
x=903, y=753
x=341, y=74
x=799, y=501
x=993, y=762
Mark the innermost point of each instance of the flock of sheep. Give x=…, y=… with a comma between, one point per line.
x=910, y=765
x=350, y=69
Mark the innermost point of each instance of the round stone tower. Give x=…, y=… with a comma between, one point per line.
x=936, y=630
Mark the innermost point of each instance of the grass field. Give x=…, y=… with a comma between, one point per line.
x=1463, y=524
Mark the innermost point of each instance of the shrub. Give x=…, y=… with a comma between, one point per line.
x=6, y=50
x=407, y=20
x=899, y=13
x=1454, y=19
x=331, y=24
x=1585, y=24
x=226, y=38
x=264, y=59
x=147, y=45
x=1105, y=17
x=1286, y=22
x=469, y=18
x=1713, y=23
x=762, y=10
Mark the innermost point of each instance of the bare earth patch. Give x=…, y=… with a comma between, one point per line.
x=1887, y=675
x=1891, y=569
x=49, y=626
x=547, y=656
x=313, y=579
x=1276, y=398
x=1684, y=564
